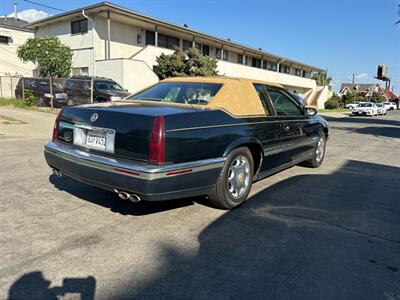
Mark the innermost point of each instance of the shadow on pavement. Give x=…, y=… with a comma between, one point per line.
x=331, y=236
x=390, y=132
x=381, y=120
x=110, y=200
x=34, y=286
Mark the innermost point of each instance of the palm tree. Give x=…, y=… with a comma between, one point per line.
x=322, y=79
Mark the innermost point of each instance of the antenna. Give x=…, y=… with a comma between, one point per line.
x=15, y=10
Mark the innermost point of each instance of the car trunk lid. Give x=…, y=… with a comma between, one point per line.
x=120, y=129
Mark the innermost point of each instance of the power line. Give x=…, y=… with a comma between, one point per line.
x=47, y=6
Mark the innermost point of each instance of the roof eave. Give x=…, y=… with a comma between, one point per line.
x=33, y=25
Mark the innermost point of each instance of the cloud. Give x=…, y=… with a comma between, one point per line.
x=358, y=76
x=31, y=15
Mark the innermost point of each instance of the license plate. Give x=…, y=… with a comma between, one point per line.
x=96, y=140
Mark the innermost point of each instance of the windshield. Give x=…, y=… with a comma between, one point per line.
x=365, y=105
x=107, y=85
x=180, y=92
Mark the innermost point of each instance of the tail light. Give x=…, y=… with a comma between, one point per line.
x=157, y=141
x=57, y=125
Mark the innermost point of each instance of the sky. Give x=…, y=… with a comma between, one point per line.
x=343, y=36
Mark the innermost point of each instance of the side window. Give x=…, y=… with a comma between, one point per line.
x=283, y=104
x=262, y=94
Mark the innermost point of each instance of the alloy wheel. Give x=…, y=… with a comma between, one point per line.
x=238, y=176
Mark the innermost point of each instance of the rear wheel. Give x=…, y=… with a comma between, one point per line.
x=319, y=153
x=234, y=182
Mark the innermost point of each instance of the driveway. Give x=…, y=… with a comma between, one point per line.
x=327, y=233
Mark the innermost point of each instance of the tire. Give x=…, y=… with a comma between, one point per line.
x=316, y=159
x=240, y=166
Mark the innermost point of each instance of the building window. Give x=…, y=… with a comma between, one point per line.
x=4, y=39
x=166, y=41
x=206, y=50
x=284, y=69
x=272, y=66
x=186, y=45
x=80, y=26
x=297, y=72
x=198, y=46
x=240, y=59
x=150, y=38
x=225, y=54
x=256, y=62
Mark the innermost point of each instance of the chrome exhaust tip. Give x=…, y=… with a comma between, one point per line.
x=123, y=195
x=126, y=196
x=134, y=198
x=57, y=172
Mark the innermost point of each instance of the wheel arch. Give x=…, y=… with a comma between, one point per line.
x=254, y=146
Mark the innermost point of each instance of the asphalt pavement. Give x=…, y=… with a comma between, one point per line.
x=326, y=233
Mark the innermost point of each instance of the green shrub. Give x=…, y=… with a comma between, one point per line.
x=30, y=99
x=377, y=98
x=331, y=104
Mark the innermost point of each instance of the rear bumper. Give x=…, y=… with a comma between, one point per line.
x=361, y=113
x=150, y=182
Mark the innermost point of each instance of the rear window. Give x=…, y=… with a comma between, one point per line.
x=180, y=92
x=107, y=85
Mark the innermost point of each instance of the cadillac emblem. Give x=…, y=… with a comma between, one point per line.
x=68, y=136
x=94, y=117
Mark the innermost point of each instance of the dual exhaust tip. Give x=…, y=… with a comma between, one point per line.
x=127, y=196
x=57, y=172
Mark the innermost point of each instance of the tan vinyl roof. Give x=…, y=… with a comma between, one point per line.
x=237, y=96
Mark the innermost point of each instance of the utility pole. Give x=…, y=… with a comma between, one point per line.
x=353, y=78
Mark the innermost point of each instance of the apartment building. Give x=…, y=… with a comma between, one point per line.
x=112, y=41
x=12, y=35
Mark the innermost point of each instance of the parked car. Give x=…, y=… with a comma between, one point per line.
x=185, y=137
x=365, y=109
x=40, y=88
x=351, y=105
x=390, y=105
x=381, y=108
x=78, y=90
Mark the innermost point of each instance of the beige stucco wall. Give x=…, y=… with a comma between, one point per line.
x=133, y=75
x=123, y=39
x=81, y=44
x=150, y=53
x=237, y=70
x=10, y=64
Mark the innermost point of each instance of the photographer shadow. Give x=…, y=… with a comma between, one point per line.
x=34, y=286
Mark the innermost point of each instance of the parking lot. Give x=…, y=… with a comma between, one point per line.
x=327, y=233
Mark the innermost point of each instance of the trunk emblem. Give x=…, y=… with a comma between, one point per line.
x=94, y=117
x=68, y=136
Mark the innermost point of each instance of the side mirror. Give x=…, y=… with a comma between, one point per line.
x=310, y=111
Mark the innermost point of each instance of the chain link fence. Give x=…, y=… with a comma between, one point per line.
x=48, y=92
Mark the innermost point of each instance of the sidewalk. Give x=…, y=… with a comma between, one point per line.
x=33, y=124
